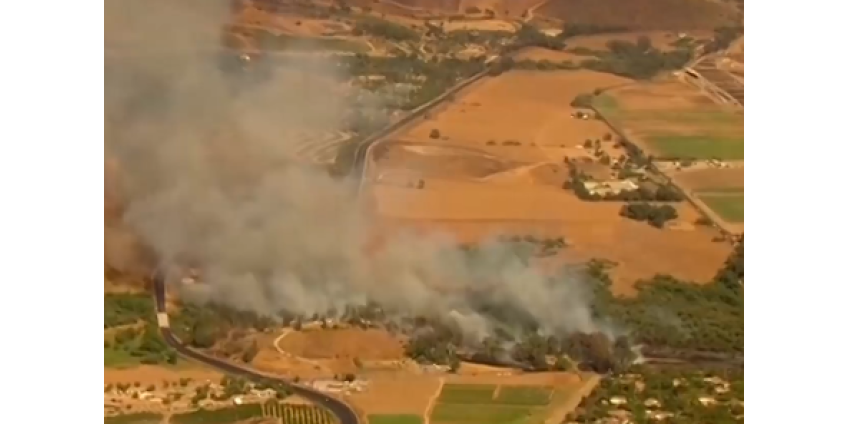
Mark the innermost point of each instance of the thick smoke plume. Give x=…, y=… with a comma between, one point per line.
x=205, y=174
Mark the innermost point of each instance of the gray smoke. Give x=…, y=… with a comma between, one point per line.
x=208, y=177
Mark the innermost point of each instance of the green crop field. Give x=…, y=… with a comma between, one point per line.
x=218, y=416
x=488, y=414
x=730, y=206
x=138, y=418
x=395, y=419
x=523, y=395
x=467, y=393
x=698, y=147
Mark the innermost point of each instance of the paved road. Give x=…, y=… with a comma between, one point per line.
x=342, y=411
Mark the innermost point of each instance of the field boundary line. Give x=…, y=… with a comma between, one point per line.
x=431, y=403
x=689, y=195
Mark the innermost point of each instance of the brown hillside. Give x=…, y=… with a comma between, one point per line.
x=430, y=5
x=643, y=14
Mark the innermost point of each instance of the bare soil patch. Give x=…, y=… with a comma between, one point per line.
x=152, y=374
x=643, y=14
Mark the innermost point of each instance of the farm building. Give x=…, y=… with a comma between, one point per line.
x=603, y=188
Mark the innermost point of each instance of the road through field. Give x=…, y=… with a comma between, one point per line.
x=432, y=402
x=340, y=409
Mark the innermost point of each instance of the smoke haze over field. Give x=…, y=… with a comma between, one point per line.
x=203, y=175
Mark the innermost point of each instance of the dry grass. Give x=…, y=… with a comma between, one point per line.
x=643, y=14
x=346, y=343
x=711, y=179
x=151, y=374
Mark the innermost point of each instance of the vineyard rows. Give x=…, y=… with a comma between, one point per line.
x=297, y=414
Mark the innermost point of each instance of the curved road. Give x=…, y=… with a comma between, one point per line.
x=342, y=411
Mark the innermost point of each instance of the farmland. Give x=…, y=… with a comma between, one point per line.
x=672, y=121
x=496, y=166
x=642, y=14
x=695, y=141
x=730, y=206
x=474, y=403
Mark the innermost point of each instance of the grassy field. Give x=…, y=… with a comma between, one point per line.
x=697, y=147
x=218, y=416
x=526, y=396
x=729, y=205
x=672, y=122
x=395, y=419
x=138, y=418
x=117, y=358
x=476, y=404
x=489, y=414
x=467, y=393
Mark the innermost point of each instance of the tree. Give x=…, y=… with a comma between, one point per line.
x=454, y=364
x=251, y=352
x=203, y=334
x=435, y=134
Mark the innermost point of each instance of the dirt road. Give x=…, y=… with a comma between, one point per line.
x=432, y=402
x=558, y=415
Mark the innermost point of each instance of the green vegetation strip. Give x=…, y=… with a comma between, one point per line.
x=218, y=416
x=525, y=396
x=467, y=414
x=698, y=147
x=138, y=418
x=730, y=206
x=395, y=419
x=467, y=393
x=691, y=117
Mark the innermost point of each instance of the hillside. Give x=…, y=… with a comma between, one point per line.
x=643, y=14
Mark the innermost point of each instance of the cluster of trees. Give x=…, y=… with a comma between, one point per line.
x=143, y=344
x=676, y=390
x=382, y=28
x=203, y=326
x=656, y=215
x=127, y=308
x=443, y=344
x=681, y=316
x=639, y=60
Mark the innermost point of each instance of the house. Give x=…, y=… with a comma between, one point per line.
x=618, y=400
x=603, y=188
